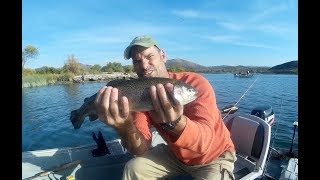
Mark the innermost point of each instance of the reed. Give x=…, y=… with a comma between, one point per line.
x=33, y=80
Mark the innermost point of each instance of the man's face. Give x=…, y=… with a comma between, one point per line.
x=149, y=62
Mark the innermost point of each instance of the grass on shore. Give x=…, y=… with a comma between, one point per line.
x=33, y=80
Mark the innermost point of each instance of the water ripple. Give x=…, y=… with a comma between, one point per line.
x=46, y=110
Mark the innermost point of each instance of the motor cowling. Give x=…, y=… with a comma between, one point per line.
x=264, y=112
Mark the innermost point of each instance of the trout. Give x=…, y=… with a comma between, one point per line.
x=138, y=93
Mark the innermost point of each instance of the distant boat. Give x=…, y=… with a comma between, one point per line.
x=243, y=74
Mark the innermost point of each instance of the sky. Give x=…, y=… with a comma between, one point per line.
x=206, y=32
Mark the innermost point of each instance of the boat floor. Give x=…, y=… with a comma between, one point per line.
x=110, y=166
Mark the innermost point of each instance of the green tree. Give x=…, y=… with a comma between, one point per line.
x=176, y=69
x=48, y=70
x=95, y=68
x=112, y=67
x=128, y=69
x=29, y=52
x=72, y=65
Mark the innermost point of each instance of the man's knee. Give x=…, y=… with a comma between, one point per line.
x=227, y=172
x=135, y=165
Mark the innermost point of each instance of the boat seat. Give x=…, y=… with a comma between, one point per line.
x=251, y=137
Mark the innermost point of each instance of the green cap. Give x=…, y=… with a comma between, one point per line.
x=145, y=41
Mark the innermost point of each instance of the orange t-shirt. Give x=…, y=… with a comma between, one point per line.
x=205, y=136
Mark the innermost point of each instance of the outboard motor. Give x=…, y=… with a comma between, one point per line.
x=264, y=112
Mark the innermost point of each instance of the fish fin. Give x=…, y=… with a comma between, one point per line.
x=75, y=119
x=93, y=117
x=94, y=137
x=91, y=98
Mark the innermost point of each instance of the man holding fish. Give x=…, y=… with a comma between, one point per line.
x=185, y=115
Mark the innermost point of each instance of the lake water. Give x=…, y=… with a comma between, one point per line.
x=46, y=110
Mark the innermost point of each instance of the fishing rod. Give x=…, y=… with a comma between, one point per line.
x=295, y=125
x=273, y=135
x=54, y=170
x=231, y=109
x=281, y=154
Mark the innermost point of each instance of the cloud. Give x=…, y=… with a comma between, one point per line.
x=186, y=13
x=113, y=34
x=238, y=41
x=223, y=38
x=277, y=29
x=92, y=39
x=232, y=26
x=256, y=45
x=267, y=12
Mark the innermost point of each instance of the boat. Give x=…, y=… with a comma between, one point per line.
x=286, y=159
x=264, y=112
x=243, y=75
x=251, y=134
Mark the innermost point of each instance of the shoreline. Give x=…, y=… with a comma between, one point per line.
x=103, y=77
x=96, y=78
x=82, y=79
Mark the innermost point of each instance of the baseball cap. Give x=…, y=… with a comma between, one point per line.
x=145, y=41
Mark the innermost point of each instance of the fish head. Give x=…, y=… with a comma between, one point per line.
x=184, y=94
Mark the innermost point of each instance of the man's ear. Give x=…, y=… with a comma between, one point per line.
x=163, y=56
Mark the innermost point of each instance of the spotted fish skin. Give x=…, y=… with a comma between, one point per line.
x=138, y=93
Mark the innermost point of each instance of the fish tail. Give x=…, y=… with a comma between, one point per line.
x=75, y=119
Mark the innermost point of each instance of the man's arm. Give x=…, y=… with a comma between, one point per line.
x=119, y=118
x=203, y=121
x=133, y=140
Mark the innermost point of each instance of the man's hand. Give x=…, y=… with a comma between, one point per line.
x=164, y=110
x=111, y=111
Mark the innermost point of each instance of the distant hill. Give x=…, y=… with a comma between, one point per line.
x=285, y=68
x=85, y=66
x=185, y=64
x=214, y=69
